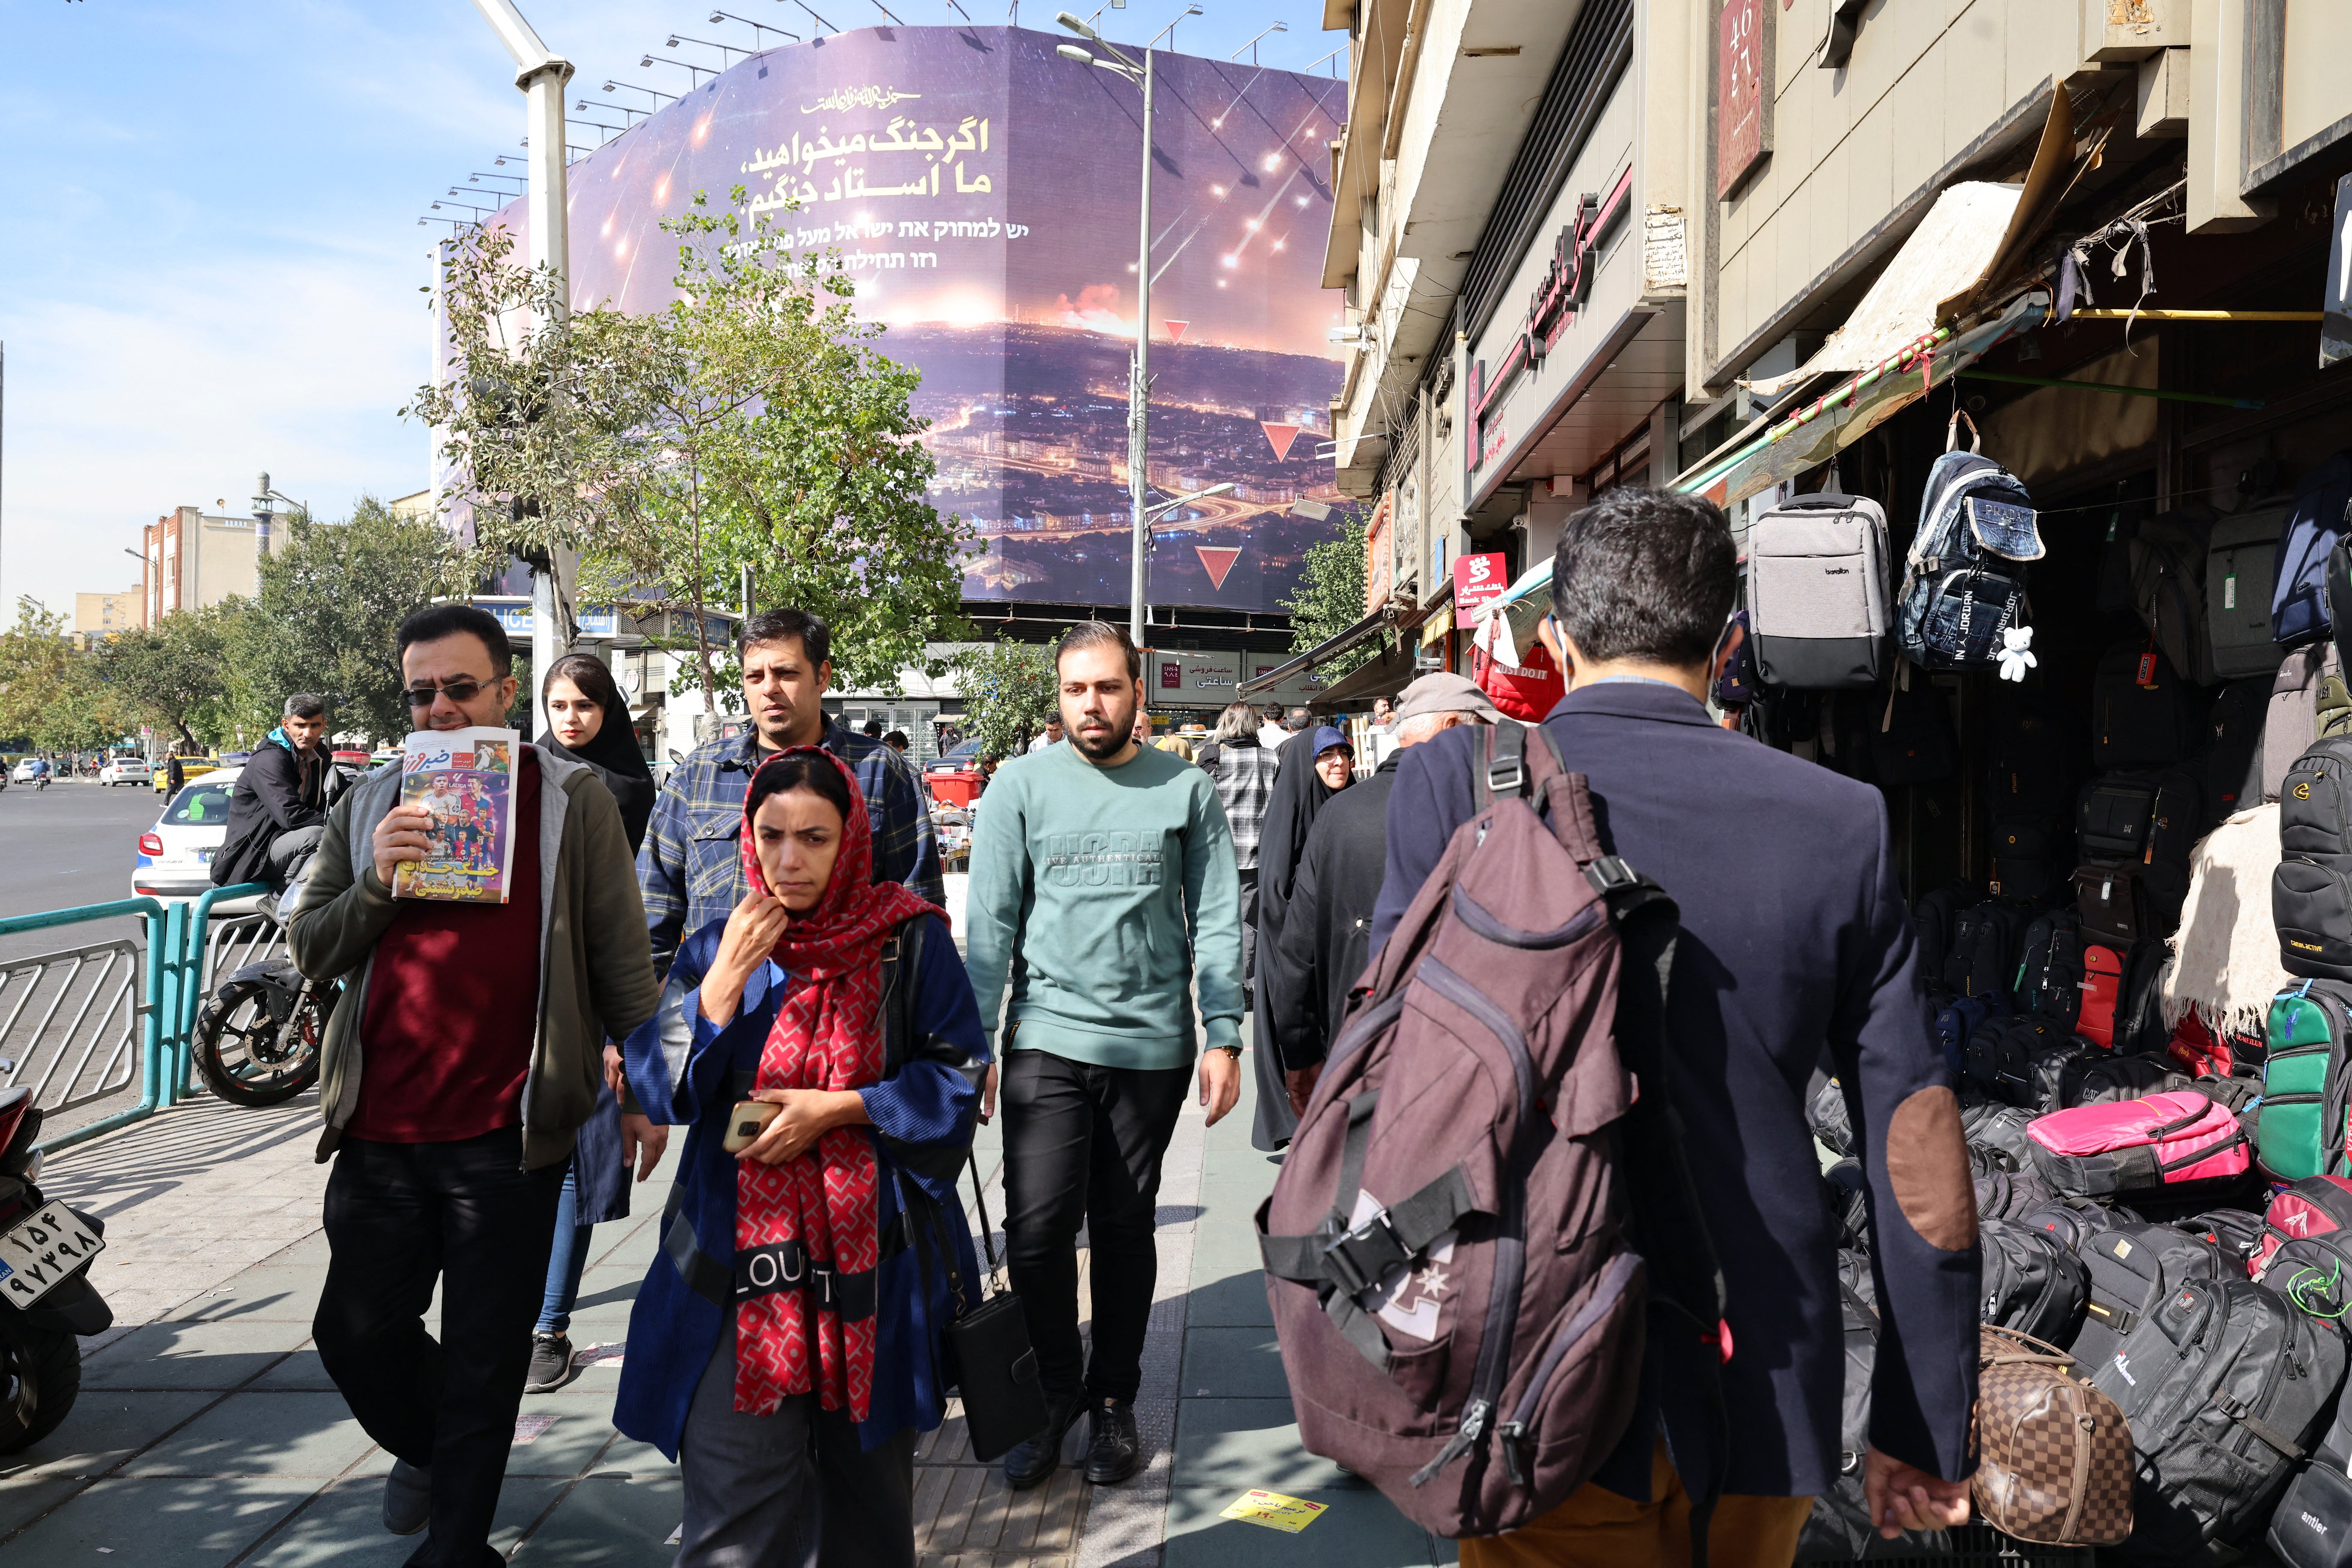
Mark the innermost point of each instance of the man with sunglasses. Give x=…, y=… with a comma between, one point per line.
x=454, y=1076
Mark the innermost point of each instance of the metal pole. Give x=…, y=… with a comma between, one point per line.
x=1139, y=384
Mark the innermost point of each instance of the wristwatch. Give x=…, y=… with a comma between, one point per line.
x=1232, y=1051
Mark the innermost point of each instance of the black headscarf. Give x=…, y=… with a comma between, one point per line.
x=1298, y=794
x=612, y=750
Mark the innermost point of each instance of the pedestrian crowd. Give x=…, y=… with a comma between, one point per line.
x=759, y=952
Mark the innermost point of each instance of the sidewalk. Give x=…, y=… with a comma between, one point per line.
x=207, y=1437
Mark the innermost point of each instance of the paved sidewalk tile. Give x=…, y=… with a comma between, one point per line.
x=104, y=1429
x=1361, y=1531
x=343, y=1527
x=161, y=1523
x=193, y=1356
x=608, y=1522
x=276, y=1433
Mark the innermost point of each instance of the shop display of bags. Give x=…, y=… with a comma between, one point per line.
x=2312, y=526
x=2312, y=1526
x=2313, y=1206
x=1964, y=575
x=2007, y=1195
x=2240, y=574
x=2130, y=1267
x=2174, y=1143
x=2233, y=766
x=2050, y=968
x=1914, y=742
x=2055, y=1454
x=1959, y=1018
x=2115, y=903
x=2031, y=1283
x=1995, y=1125
x=2142, y=714
x=2168, y=586
x=2110, y=1078
x=2308, y=701
x=2234, y=1232
x=2076, y=1221
x=1932, y=915
x=2311, y=893
x=2225, y=1385
x=2304, y=1081
x=1816, y=592
x=1985, y=940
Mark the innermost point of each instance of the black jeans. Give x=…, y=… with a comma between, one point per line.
x=399, y=1214
x=1082, y=1143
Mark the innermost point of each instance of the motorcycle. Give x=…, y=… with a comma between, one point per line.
x=50, y=1305
x=258, y=1035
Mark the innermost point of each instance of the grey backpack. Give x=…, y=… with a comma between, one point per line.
x=1818, y=599
x=2239, y=570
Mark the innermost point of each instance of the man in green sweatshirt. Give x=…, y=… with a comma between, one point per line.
x=1103, y=884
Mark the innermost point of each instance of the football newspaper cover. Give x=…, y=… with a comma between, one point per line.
x=465, y=778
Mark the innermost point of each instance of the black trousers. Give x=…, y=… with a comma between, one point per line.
x=1082, y=1143
x=399, y=1216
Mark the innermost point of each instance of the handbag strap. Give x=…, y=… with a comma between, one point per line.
x=987, y=1237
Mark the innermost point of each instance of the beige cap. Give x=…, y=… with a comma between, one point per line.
x=1441, y=692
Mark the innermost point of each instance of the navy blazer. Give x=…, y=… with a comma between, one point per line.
x=1794, y=936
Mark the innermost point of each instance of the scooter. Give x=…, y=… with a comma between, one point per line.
x=47, y=1304
x=259, y=1038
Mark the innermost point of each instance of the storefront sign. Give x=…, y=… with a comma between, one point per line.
x=1171, y=677
x=1742, y=116
x=1376, y=552
x=1562, y=291
x=1477, y=580
x=2336, y=324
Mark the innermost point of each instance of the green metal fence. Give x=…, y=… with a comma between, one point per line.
x=77, y=1023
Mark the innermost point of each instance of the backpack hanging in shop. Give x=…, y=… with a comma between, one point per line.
x=2313, y=527
x=1816, y=592
x=2167, y=567
x=1963, y=577
x=2311, y=892
x=1913, y=743
x=2142, y=713
x=2238, y=582
x=2306, y=1081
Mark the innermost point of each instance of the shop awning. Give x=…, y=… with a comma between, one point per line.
x=1385, y=676
x=1322, y=653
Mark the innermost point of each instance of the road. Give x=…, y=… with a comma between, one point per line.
x=72, y=843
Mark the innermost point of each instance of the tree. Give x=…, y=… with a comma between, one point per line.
x=332, y=595
x=1009, y=693
x=176, y=673
x=52, y=694
x=749, y=425
x=1330, y=597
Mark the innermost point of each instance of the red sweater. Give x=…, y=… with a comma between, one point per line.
x=453, y=1005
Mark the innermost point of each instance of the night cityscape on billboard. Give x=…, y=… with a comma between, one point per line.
x=981, y=191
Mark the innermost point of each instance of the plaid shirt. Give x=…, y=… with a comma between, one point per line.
x=691, y=866
x=1245, y=776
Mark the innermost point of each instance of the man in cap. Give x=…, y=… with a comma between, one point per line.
x=1324, y=944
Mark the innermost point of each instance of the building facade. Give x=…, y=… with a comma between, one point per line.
x=103, y=614
x=194, y=560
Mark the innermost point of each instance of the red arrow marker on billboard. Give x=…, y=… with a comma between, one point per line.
x=1175, y=329
x=1218, y=560
x=1279, y=437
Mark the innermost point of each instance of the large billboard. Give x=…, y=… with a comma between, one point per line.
x=982, y=190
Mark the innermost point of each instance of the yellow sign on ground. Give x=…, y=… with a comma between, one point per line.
x=1275, y=1510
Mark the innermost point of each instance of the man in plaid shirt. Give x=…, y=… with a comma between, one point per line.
x=1244, y=770
x=691, y=865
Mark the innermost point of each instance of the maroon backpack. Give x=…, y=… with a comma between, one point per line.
x=1451, y=1249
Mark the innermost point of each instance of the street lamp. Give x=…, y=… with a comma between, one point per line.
x=633, y=87
x=757, y=27
x=1252, y=44
x=624, y=108
x=820, y=21
x=1161, y=509
x=1138, y=383
x=1169, y=32
x=727, y=52
x=700, y=71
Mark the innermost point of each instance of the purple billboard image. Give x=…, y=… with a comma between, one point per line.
x=982, y=190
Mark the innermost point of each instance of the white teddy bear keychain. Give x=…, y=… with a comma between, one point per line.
x=2016, y=654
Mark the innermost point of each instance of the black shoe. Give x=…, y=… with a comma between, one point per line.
x=1114, y=1451
x=551, y=1363
x=407, y=1498
x=1029, y=1464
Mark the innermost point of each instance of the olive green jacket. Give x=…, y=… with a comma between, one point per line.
x=595, y=962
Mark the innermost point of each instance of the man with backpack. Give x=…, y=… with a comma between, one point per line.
x=1792, y=932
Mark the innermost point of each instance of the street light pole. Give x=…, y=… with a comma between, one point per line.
x=541, y=74
x=1138, y=383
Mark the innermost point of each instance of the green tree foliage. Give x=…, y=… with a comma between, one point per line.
x=176, y=674
x=1330, y=597
x=1009, y=693
x=52, y=694
x=331, y=596
x=749, y=424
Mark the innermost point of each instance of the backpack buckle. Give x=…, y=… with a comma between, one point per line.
x=1610, y=874
x=1359, y=1258
x=1505, y=775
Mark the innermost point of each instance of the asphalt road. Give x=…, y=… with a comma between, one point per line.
x=72, y=843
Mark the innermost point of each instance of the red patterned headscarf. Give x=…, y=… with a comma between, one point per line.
x=817, y=1212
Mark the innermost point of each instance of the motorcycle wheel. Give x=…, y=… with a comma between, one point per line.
x=247, y=1060
x=41, y=1373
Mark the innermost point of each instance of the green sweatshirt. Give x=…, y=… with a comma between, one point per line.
x=1104, y=893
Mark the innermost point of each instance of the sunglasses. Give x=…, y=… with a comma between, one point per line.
x=464, y=689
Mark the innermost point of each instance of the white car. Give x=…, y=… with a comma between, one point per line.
x=126, y=770
x=30, y=769
x=175, y=856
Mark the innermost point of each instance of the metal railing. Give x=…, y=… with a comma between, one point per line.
x=80, y=1023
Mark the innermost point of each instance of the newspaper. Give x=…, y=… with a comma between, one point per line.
x=466, y=779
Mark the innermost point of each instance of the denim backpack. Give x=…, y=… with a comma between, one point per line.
x=1964, y=578
x=2315, y=521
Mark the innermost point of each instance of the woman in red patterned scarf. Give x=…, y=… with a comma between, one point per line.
x=784, y=1346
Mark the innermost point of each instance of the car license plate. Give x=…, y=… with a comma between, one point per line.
x=37, y=1255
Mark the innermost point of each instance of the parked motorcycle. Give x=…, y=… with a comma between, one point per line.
x=258, y=1035
x=47, y=1304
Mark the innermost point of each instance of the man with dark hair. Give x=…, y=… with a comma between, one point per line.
x=453, y=1078
x=897, y=741
x=277, y=806
x=691, y=864
x=1794, y=937
x=872, y=731
x=1103, y=885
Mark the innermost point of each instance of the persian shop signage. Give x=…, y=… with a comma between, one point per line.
x=1742, y=129
x=1566, y=285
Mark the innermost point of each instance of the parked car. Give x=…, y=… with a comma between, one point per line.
x=175, y=856
x=126, y=770
x=191, y=769
x=962, y=758
x=357, y=760
x=235, y=759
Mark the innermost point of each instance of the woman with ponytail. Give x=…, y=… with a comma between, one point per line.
x=785, y=1345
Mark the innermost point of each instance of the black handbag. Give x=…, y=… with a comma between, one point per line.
x=989, y=1359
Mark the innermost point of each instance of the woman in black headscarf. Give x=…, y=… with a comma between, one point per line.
x=588, y=723
x=1298, y=794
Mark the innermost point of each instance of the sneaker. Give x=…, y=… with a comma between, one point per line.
x=551, y=1363
x=1028, y=1464
x=407, y=1498
x=1114, y=1450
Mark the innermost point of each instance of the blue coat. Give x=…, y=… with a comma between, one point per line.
x=681, y=1068
x=1795, y=942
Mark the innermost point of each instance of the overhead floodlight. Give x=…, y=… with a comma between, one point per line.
x=1071, y=52
x=1069, y=20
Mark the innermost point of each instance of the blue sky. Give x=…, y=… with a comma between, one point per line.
x=210, y=261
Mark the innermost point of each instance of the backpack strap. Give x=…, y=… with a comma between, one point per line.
x=1952, y=433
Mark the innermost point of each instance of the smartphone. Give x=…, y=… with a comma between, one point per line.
x=746, y=1123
